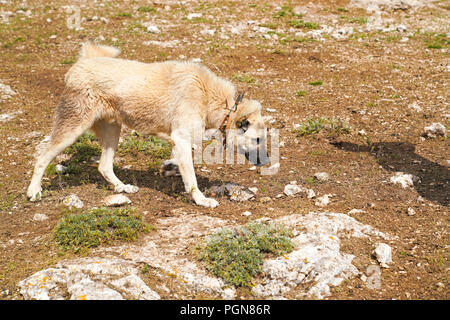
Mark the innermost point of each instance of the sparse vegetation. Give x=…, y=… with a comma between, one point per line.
x=303, y=24
x=245, y=77
x=330, y=125
x=149, y=145
x=300, y=93
x=84, y=148
x=146, y=9
x=99, y=226
x=237, y=255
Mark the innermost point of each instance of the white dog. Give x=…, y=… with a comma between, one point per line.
x=172, y=100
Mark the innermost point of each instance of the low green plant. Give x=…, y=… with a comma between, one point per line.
x=298, y=23
x=99, y=226
x=316, y=83
x=331, y=125
x=146, y=9
x=237, y=255
x=84, y=148
x=149, y=145
x=247, y=78
x=300, y=93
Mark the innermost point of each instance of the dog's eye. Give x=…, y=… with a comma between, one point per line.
x=244, y=124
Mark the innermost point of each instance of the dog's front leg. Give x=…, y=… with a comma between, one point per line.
x=183, y=153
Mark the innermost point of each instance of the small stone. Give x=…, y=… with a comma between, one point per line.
x=246, y=213
x=355, y=211
x=253, y=189
x=411, y=212
x=292, y=189
x=321, y=176
x=116, y=200
x=238, y=193
x=404, y=179
x=310, y=193
x=73, y=201
x=415, y=106
x=383, y=254
x=322, y=201
x=60, y=168
x=265, y=199
x=434, y=130
x=153, y=29
x=40, y=217
x=191, y=16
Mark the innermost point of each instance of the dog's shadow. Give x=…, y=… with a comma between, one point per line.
x=400, y=156
x=150, y=178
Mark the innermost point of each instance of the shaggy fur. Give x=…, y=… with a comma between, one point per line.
x=172, y=100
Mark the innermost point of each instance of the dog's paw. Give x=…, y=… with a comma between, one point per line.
x=127, y=188
x=207, y=202
x=34, y=195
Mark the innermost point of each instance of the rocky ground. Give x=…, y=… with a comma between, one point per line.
x=368, y=206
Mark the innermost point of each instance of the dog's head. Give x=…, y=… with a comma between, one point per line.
x=249, y=132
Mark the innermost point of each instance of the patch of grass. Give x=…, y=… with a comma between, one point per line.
x=300, y=93
x=124, y=15
x=247, y=78
x=99, y=226
x=84, y=148
x=272, y=26
x=359, y=20
x=316, y=83
x=51, y=170
x=342, y=10
x=13, y=42
x=237, y=255
x=286, y=11
x=68, y=61
x=150, y=145
x=298, y=23
x=437, y=41
x=330, y=125
x=147, y=9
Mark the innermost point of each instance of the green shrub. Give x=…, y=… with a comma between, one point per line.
x=99, y=226
x=84, y=148
x=150, y=145
x=332, y=126
x=237, y=255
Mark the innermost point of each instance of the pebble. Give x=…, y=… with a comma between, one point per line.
x=322, y=201
x=40, y=217
x=73, y=201
x=383, y=254
x=321, y=176
x=434, y=130
x=116, y=200
x=355, y=211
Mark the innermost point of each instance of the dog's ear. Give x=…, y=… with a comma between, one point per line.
x=247, y=107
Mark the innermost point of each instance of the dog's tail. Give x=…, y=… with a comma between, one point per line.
x=91, y=50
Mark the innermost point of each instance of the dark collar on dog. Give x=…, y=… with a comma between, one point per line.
x=226, y=122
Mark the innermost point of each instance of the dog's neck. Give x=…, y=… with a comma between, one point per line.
x=216, y=116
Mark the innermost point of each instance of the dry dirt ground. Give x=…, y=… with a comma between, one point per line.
x=370, y=78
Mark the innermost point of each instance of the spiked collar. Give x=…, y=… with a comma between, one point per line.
x=226, y=122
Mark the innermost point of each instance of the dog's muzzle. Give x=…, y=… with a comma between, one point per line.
x=258, y=158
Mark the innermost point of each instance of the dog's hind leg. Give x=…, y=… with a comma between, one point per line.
x=108, y=134
x=63, y=135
